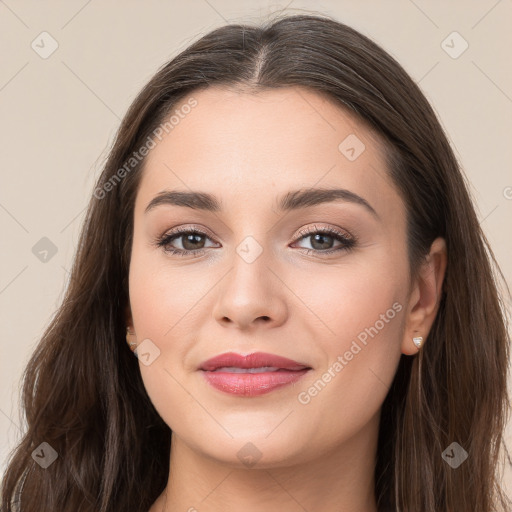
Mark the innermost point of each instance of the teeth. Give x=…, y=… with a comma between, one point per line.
x=233, y=369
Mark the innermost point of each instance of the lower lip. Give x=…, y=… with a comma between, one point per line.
x=252, y=384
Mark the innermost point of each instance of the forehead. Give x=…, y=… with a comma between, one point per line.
x=247, y=148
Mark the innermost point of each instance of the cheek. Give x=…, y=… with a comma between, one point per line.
x=165, y=303
x=361, y=312
x=155, y=316
x=161, y=292
x=348, y=299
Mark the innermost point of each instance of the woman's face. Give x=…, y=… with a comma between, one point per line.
x=262, y=278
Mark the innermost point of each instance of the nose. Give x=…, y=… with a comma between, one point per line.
x=251, y=295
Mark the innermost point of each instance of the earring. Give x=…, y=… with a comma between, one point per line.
x=133, y=345
x=418, y=340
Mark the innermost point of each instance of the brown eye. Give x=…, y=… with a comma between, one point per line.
x=192, y=241
x=322, y=240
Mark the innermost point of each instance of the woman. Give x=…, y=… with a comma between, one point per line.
x=283, y=237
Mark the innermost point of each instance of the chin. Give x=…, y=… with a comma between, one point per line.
x=255, y=449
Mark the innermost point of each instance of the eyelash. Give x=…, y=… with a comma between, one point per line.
x=348, y=242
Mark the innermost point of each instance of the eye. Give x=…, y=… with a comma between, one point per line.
x=324, y=238
x=190, y=241
x=193, y=245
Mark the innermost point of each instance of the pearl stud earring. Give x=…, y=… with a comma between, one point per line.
x=418, y=340
x=133, y=345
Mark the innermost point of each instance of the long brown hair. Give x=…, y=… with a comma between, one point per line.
x=83, y=393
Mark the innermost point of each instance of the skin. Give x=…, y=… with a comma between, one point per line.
x=248, y=150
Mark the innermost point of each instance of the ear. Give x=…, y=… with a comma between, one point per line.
x=128, y=317
x=425, y=296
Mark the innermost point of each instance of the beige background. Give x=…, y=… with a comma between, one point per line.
x=59, y=116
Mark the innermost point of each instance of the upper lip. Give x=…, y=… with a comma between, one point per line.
x=254, y=360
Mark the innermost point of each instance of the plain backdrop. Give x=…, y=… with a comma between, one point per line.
x=70, y=70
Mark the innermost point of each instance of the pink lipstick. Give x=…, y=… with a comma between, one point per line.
x=251, y=375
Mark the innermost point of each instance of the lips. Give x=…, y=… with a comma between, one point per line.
x=252, y=375
x=261, y=361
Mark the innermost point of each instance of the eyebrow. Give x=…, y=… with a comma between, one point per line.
x=293, y=200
